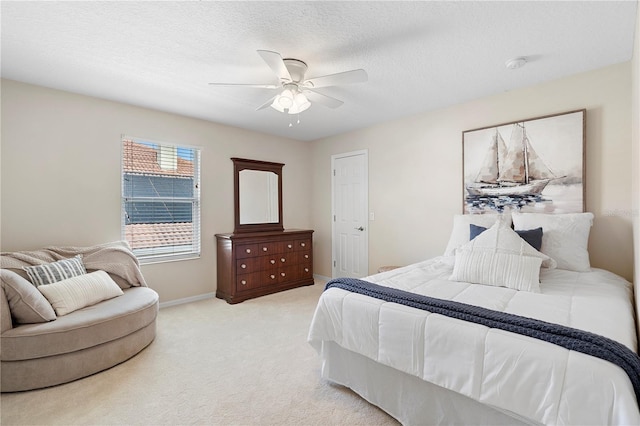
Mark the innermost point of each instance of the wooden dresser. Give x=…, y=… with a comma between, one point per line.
x=258, y=263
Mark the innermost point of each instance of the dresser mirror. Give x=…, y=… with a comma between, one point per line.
x=257, y=195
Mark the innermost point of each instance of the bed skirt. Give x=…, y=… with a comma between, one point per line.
x=407, y=398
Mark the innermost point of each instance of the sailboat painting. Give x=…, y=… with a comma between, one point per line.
x=534, y=165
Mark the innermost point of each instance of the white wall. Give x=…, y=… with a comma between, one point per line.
x=635, y=162
x=415, y=170
x=60, y=176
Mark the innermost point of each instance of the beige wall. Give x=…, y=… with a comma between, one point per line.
x=415, y=170
x=60, y=176
x=635, y=161
x=60, y=172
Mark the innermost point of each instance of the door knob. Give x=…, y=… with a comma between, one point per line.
x=359, y=229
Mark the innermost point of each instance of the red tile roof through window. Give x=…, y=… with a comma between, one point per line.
x=143, y=159
x=149, y=235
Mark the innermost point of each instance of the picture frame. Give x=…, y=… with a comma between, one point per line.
x=532, y=165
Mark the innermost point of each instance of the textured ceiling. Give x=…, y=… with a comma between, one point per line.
x=419, y=55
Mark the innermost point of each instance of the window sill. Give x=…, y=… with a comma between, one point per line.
x=168, y=258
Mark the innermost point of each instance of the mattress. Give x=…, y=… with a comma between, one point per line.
x=533, y=380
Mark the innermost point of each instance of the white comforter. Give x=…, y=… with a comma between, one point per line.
x=535, y=380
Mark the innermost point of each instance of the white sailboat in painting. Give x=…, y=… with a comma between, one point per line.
x=511, y=170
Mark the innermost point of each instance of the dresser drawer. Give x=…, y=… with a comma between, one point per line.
x=267, y=278
x=248, y=265
x=247, y=281
x=258, y=279
x=268, y=248
x=286, y=246
x=295, y=272
x=268, y=263
x=303, y=256
x=305, y=271
x=288, y=273
x=247, y=250
x=302, y=244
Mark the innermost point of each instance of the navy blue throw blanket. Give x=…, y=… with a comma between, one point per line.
x=566, y=337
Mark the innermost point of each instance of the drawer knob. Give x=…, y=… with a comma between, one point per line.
x=282, y=259
x=273, y=277
x=272, y=261
x=289, y=246
x=306, y=269
x=243, y=282
x=248, y=250
x=264, y=249
x=243, y=266
x=302, y=244
x=306, y=256
x=283, y=274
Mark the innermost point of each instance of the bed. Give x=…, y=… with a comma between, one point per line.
x=427, y=368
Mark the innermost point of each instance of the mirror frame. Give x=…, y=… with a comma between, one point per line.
x=240, y=164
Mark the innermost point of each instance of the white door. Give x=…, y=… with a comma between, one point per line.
x=350, y=203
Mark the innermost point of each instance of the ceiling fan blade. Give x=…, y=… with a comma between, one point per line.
x=322, y=99
x=346, y=77
x=266, y=104
x=259, y=86
x=275, y=62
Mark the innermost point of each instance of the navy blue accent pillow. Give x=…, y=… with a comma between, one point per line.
x=475, y=230
x=531, y=236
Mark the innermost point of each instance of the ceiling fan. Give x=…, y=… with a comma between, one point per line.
x=295, y=94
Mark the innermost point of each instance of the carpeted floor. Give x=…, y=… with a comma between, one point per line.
x=210, y=364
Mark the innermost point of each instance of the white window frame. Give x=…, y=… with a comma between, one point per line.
x=173, y=253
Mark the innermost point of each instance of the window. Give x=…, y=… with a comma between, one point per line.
x=160, y=200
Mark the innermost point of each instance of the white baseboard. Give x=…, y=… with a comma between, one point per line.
x=212, y=295
x=187, y=300
x=321, y=278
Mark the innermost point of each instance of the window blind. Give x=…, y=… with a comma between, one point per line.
x=160, y=200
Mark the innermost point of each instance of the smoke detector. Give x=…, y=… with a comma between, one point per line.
x=515, y=63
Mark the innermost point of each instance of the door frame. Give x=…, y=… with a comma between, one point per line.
x=365, y=189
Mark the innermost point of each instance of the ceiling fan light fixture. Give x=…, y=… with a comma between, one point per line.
x=283, y=101
x=291, y=101
x=300, y=103
x=275, y=105
x=286, y=98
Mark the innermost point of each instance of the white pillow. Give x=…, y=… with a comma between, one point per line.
x=564, y=237
x=460, y=232
x=75, y=293
x=499, y=257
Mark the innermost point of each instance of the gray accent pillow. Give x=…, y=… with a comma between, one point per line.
x=57, y=271
x=26, y=303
